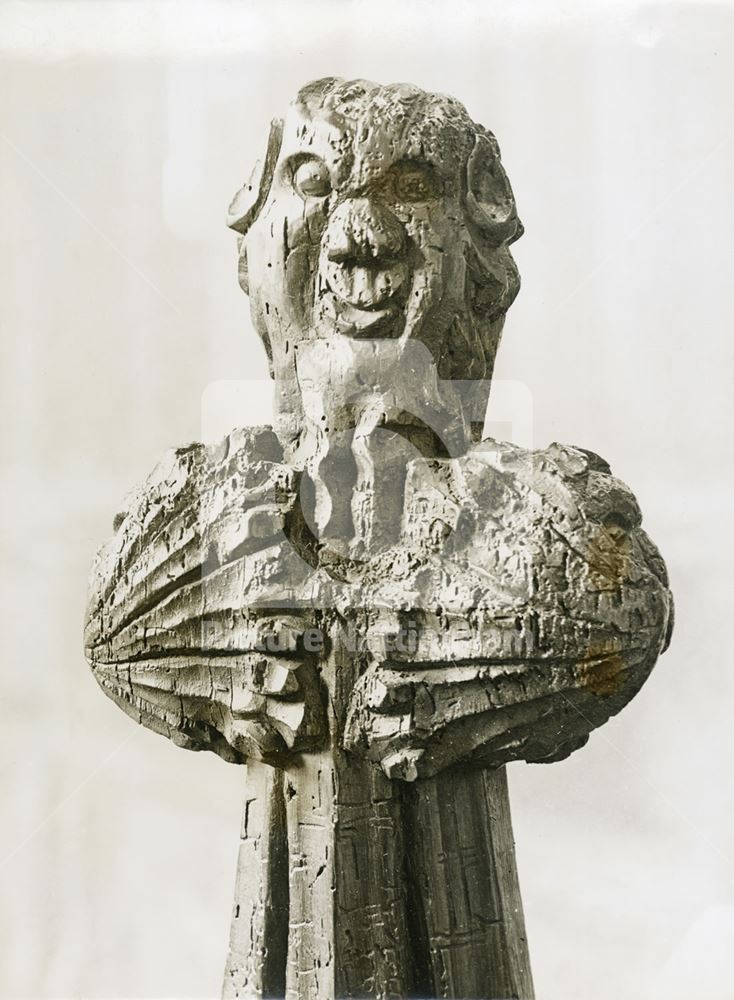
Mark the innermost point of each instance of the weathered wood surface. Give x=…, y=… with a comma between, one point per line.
x=464, y=877
x=554, y=608
x=521, y=606
x=259, y=932
x=389, y=892
x=368, y=605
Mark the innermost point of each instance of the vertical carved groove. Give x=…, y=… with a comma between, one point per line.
x=421, y=982
x=277, y=909
x=463, y=876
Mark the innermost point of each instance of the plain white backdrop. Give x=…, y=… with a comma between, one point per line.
x=125, y=128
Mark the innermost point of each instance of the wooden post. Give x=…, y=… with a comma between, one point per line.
x=464, y=886
x=345, y=913
x=390, y=890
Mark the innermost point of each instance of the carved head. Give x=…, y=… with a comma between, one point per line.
x=379, y=213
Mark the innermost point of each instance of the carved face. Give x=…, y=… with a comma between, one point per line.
x=379, y=213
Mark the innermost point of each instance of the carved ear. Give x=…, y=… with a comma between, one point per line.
x=248, y=201
x=490, y=201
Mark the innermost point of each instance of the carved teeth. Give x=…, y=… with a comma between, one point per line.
x=365, y=287
x=353, y=322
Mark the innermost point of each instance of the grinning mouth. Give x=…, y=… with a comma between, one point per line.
x=375, y=320
x=351, y=321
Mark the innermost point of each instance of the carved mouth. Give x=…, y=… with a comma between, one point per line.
x=352, y=321
x=365, y=301
x=377, y=319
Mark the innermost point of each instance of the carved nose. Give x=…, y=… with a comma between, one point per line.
x=363, y=231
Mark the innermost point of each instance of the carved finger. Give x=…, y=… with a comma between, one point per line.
x=416, y=721
x=237, y=706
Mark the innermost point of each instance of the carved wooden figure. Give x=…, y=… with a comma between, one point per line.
x=368, y=605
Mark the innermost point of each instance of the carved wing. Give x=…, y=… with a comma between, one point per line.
x=553, y=607
x=190, y=627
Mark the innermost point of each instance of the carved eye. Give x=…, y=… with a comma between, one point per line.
x=311, y=179
x=415, y=182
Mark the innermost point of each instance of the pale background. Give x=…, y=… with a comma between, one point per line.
x=125, y=130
